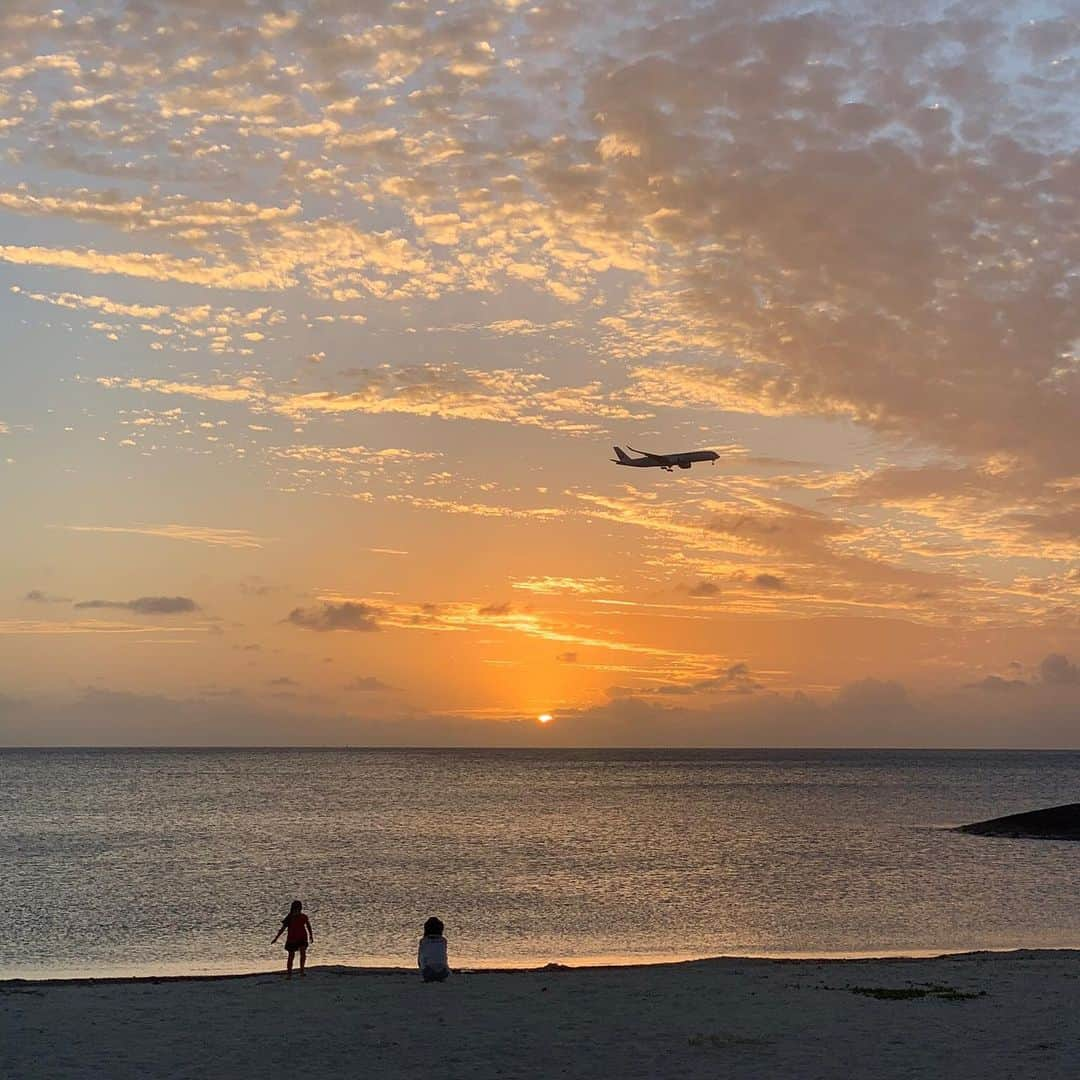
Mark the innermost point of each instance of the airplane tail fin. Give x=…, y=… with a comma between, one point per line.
x=624, y=458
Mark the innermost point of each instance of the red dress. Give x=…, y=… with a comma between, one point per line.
x=297, y=935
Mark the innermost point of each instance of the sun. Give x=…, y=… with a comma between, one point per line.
x=544, y=718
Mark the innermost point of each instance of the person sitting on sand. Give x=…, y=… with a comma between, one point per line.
x=431, y=954
x=299, y=933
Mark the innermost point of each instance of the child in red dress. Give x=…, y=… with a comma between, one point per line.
x=299, y=934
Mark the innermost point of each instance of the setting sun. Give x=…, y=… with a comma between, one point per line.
x=544, y=718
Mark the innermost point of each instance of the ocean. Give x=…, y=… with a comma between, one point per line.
x=167, y=861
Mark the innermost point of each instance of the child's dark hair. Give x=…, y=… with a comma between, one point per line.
x=294, y=907
x=433, y=927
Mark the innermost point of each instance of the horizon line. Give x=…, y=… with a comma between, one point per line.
x=434, y=746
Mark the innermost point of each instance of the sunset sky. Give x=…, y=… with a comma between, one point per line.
x=321, y=319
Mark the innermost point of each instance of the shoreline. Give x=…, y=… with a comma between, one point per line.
x=553, y=967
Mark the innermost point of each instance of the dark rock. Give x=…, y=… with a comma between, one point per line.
x=1054, y=823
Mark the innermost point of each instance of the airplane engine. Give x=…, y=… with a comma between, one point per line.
x=684, y=464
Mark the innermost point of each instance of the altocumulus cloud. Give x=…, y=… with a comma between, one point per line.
x=348, y=615
x=146, y=605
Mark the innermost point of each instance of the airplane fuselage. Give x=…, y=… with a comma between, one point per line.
x=667, y=462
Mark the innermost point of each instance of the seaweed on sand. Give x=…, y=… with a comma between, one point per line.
x=915, y=992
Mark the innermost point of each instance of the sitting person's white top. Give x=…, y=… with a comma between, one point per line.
x=431, y=957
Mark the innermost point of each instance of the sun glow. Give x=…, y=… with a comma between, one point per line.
x=544, y=718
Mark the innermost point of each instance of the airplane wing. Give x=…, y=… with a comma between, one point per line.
x=660, y=459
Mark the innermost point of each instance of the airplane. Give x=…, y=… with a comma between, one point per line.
x=662, y=461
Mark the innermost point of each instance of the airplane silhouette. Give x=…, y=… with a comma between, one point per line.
x=662, y=461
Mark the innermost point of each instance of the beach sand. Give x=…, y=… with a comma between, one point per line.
x=709, y=1018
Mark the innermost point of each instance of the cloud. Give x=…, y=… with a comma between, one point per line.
x=1003, y=508
x=222, y=329
x=451, y=392
x=730, y=679
x=242, y=392
x=152, y=266
x=841, y=211
x=834, y=206
x=1057, y=670
x=874, y=713
x=256, y=586
x=852, y=264
x=974, y=720
x=329, y=257
x=221, y=100
x=704, y=588
x=447, y=391
x=483, y=510
x=552, y=585
x=115, y=717
x=461, y=617
x=727, y=539
x=37, y=596
x=348, y=615
x=146, y=605
x=769, y=581
x=234, y=538
x=144, y=212
x=367, y=684
x=995, y=684
x=174, y=635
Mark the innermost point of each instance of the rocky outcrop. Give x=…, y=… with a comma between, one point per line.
x=1054, y=823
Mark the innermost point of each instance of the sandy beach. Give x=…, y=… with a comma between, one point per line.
x=987, y=1015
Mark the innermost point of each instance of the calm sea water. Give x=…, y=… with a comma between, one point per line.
x=185, y=860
